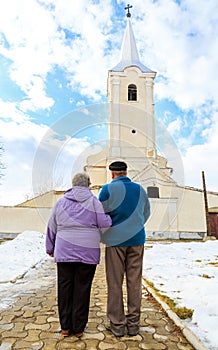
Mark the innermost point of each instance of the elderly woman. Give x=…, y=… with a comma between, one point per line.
x=73, y=238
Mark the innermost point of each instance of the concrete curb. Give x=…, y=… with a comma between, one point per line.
x=187, y=332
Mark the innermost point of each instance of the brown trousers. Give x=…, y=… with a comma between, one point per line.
x=120, y=261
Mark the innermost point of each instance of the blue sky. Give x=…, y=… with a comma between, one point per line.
x=54, y=60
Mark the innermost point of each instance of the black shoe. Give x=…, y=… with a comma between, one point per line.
x=108, y=328
x=65, y=332
x=132, y=334
x=78, y=335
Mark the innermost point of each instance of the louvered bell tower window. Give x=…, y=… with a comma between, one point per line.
x=132, y=92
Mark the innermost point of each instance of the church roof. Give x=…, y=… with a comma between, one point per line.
x=129, y=52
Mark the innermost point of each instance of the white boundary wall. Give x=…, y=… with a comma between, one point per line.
x=19, y=219
x=166, y=222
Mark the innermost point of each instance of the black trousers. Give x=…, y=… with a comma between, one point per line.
x=74, y=287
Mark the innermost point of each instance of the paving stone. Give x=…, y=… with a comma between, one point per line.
x=132, y=346
x=52, y=319
x=98, y=335
x=43, y=327
x=54, y=327
x=33, y=335
x=171, y=346
x=49, y=344
x=147, y=329
x=101, y=328
x=92, y=327
x=22, y=344
x=92, y=344
x=51, y=335
x=24, y=320
x=153, y=346
x=28, y=314
x=162, y=331
x=148, y=337
x=137, y=337
x=154, y=322
x=14, y=334
x=7, y=343
x=106, y=345
x=67, y=344
x=6, y=327
x=100, y=313
x=41, y=320
x=160, y=337
x=6, y=319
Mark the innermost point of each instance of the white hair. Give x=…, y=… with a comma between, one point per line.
x=81, y=179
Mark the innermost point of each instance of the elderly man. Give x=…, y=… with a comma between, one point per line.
x=128, y=206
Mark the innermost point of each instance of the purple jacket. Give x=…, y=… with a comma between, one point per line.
x=73, y=232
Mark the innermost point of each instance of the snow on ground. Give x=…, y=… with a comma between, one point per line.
x=20, y=262
x=20, y=254
x=187, y=272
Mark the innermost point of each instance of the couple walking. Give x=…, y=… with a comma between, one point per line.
x=73, y=239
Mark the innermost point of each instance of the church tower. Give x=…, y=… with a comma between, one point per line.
x=131, y=112
x=131, y=124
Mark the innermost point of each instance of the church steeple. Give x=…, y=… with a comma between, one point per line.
x=131, y=113
x=129, y=52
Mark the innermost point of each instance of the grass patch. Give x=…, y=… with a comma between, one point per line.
x=215, y=263
x=181, y=312
x=206, y=276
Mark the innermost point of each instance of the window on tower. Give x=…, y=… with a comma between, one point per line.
x=132, y=92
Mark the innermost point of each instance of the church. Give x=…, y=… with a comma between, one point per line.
x=177, y=211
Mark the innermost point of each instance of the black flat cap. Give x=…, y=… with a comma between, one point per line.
x=118, y=166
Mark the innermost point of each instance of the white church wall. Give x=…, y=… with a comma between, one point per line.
x=178, y=218
x=191, y=211
x=19, y=219
x=163, y=215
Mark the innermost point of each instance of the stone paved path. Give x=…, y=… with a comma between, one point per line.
x=32, y=321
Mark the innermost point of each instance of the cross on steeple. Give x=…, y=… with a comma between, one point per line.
x=127, y=8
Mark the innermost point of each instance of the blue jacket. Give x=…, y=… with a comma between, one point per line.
x=128, y=206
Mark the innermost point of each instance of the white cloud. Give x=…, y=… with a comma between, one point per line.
x=203, y=157
x=36, y=42
x=180, y=42
x=21, y=143
x=28, y=30
x=174, y=126
x=37, y=97
x=10, y=111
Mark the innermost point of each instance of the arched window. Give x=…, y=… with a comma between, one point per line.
x=132, y=92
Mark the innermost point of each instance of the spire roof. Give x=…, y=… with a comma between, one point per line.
x=129, y=52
